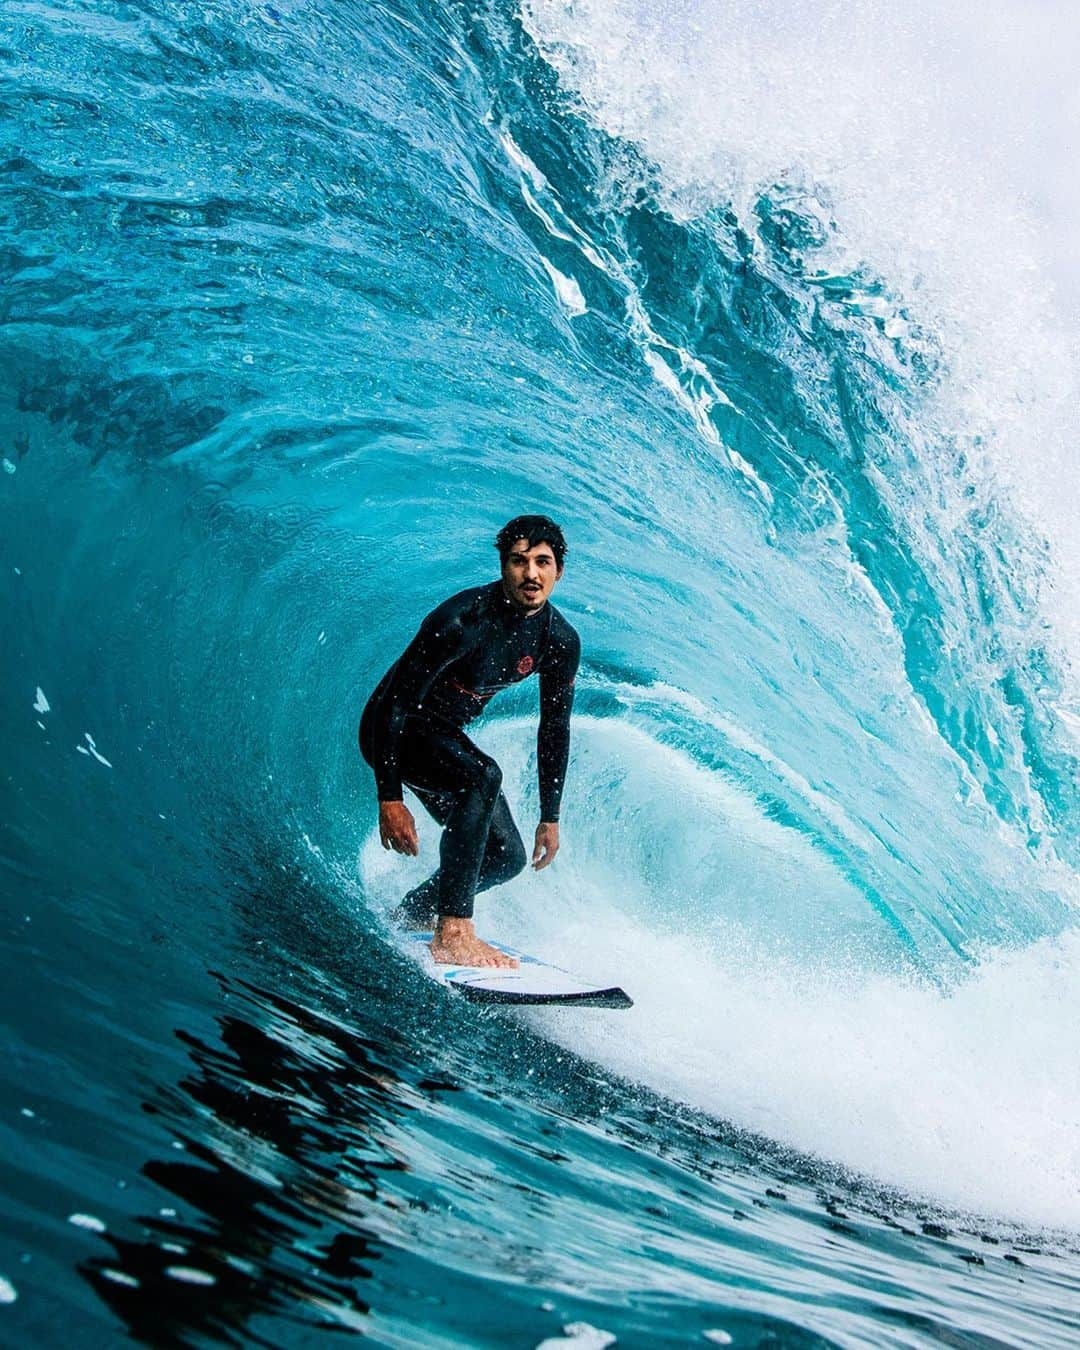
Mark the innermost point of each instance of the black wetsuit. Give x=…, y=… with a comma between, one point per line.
x=470, y=647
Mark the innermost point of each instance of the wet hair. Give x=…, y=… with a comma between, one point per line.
x=534, y=530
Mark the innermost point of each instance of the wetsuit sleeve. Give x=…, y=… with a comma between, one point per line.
x=553, y=738
x=440, y=641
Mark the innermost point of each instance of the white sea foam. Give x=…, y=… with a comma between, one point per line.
x=578, y=1336
x=567, y=289
x=968, y=1097
x=764, y=994
x=91, y=749
x=766, y=990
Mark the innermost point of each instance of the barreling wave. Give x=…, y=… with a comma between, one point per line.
x=300, y=306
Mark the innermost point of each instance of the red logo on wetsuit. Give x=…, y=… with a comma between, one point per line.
x=525, y=665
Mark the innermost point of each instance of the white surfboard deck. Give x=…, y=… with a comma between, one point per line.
x=532, y=982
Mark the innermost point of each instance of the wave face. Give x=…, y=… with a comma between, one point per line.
x=299, y=308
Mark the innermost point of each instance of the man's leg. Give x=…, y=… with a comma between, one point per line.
x=420, y=907
x=504, y=853
x=504, y=857
x=461, y=787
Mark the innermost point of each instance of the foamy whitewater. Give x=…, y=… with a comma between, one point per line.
x=774, y=307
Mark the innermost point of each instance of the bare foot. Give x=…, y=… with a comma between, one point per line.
x=455, y=943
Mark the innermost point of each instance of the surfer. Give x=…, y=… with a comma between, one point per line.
x=411, y=731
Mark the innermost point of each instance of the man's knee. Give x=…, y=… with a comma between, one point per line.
x=506, y=859
x=488, y=778
x=515, y=857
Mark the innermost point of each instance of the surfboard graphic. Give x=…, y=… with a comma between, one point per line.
x=533, y=982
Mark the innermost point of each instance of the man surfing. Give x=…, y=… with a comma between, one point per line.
x=467, y=649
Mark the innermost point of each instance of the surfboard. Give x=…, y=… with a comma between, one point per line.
x=532, y=982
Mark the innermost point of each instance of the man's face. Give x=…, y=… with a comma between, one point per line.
x=529, y=574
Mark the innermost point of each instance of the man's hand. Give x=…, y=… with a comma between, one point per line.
x=547, y=843
x=397, y=829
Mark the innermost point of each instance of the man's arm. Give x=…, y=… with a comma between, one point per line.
x=553, y=742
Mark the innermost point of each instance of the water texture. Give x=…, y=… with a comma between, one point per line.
x=299, y=305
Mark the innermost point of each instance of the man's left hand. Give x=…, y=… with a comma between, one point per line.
x=547, y=843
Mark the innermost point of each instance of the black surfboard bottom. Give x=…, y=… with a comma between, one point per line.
x=590, y=998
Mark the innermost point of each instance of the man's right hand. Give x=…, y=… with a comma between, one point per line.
x=397, y=829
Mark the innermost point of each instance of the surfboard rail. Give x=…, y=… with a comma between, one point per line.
x=588, y=998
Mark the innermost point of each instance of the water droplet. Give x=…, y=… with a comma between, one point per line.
x=190, y=1275
x=87, y=1221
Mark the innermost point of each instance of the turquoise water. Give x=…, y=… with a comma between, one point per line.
x=299, y=307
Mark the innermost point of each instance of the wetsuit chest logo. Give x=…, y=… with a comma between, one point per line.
x=525, y=665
